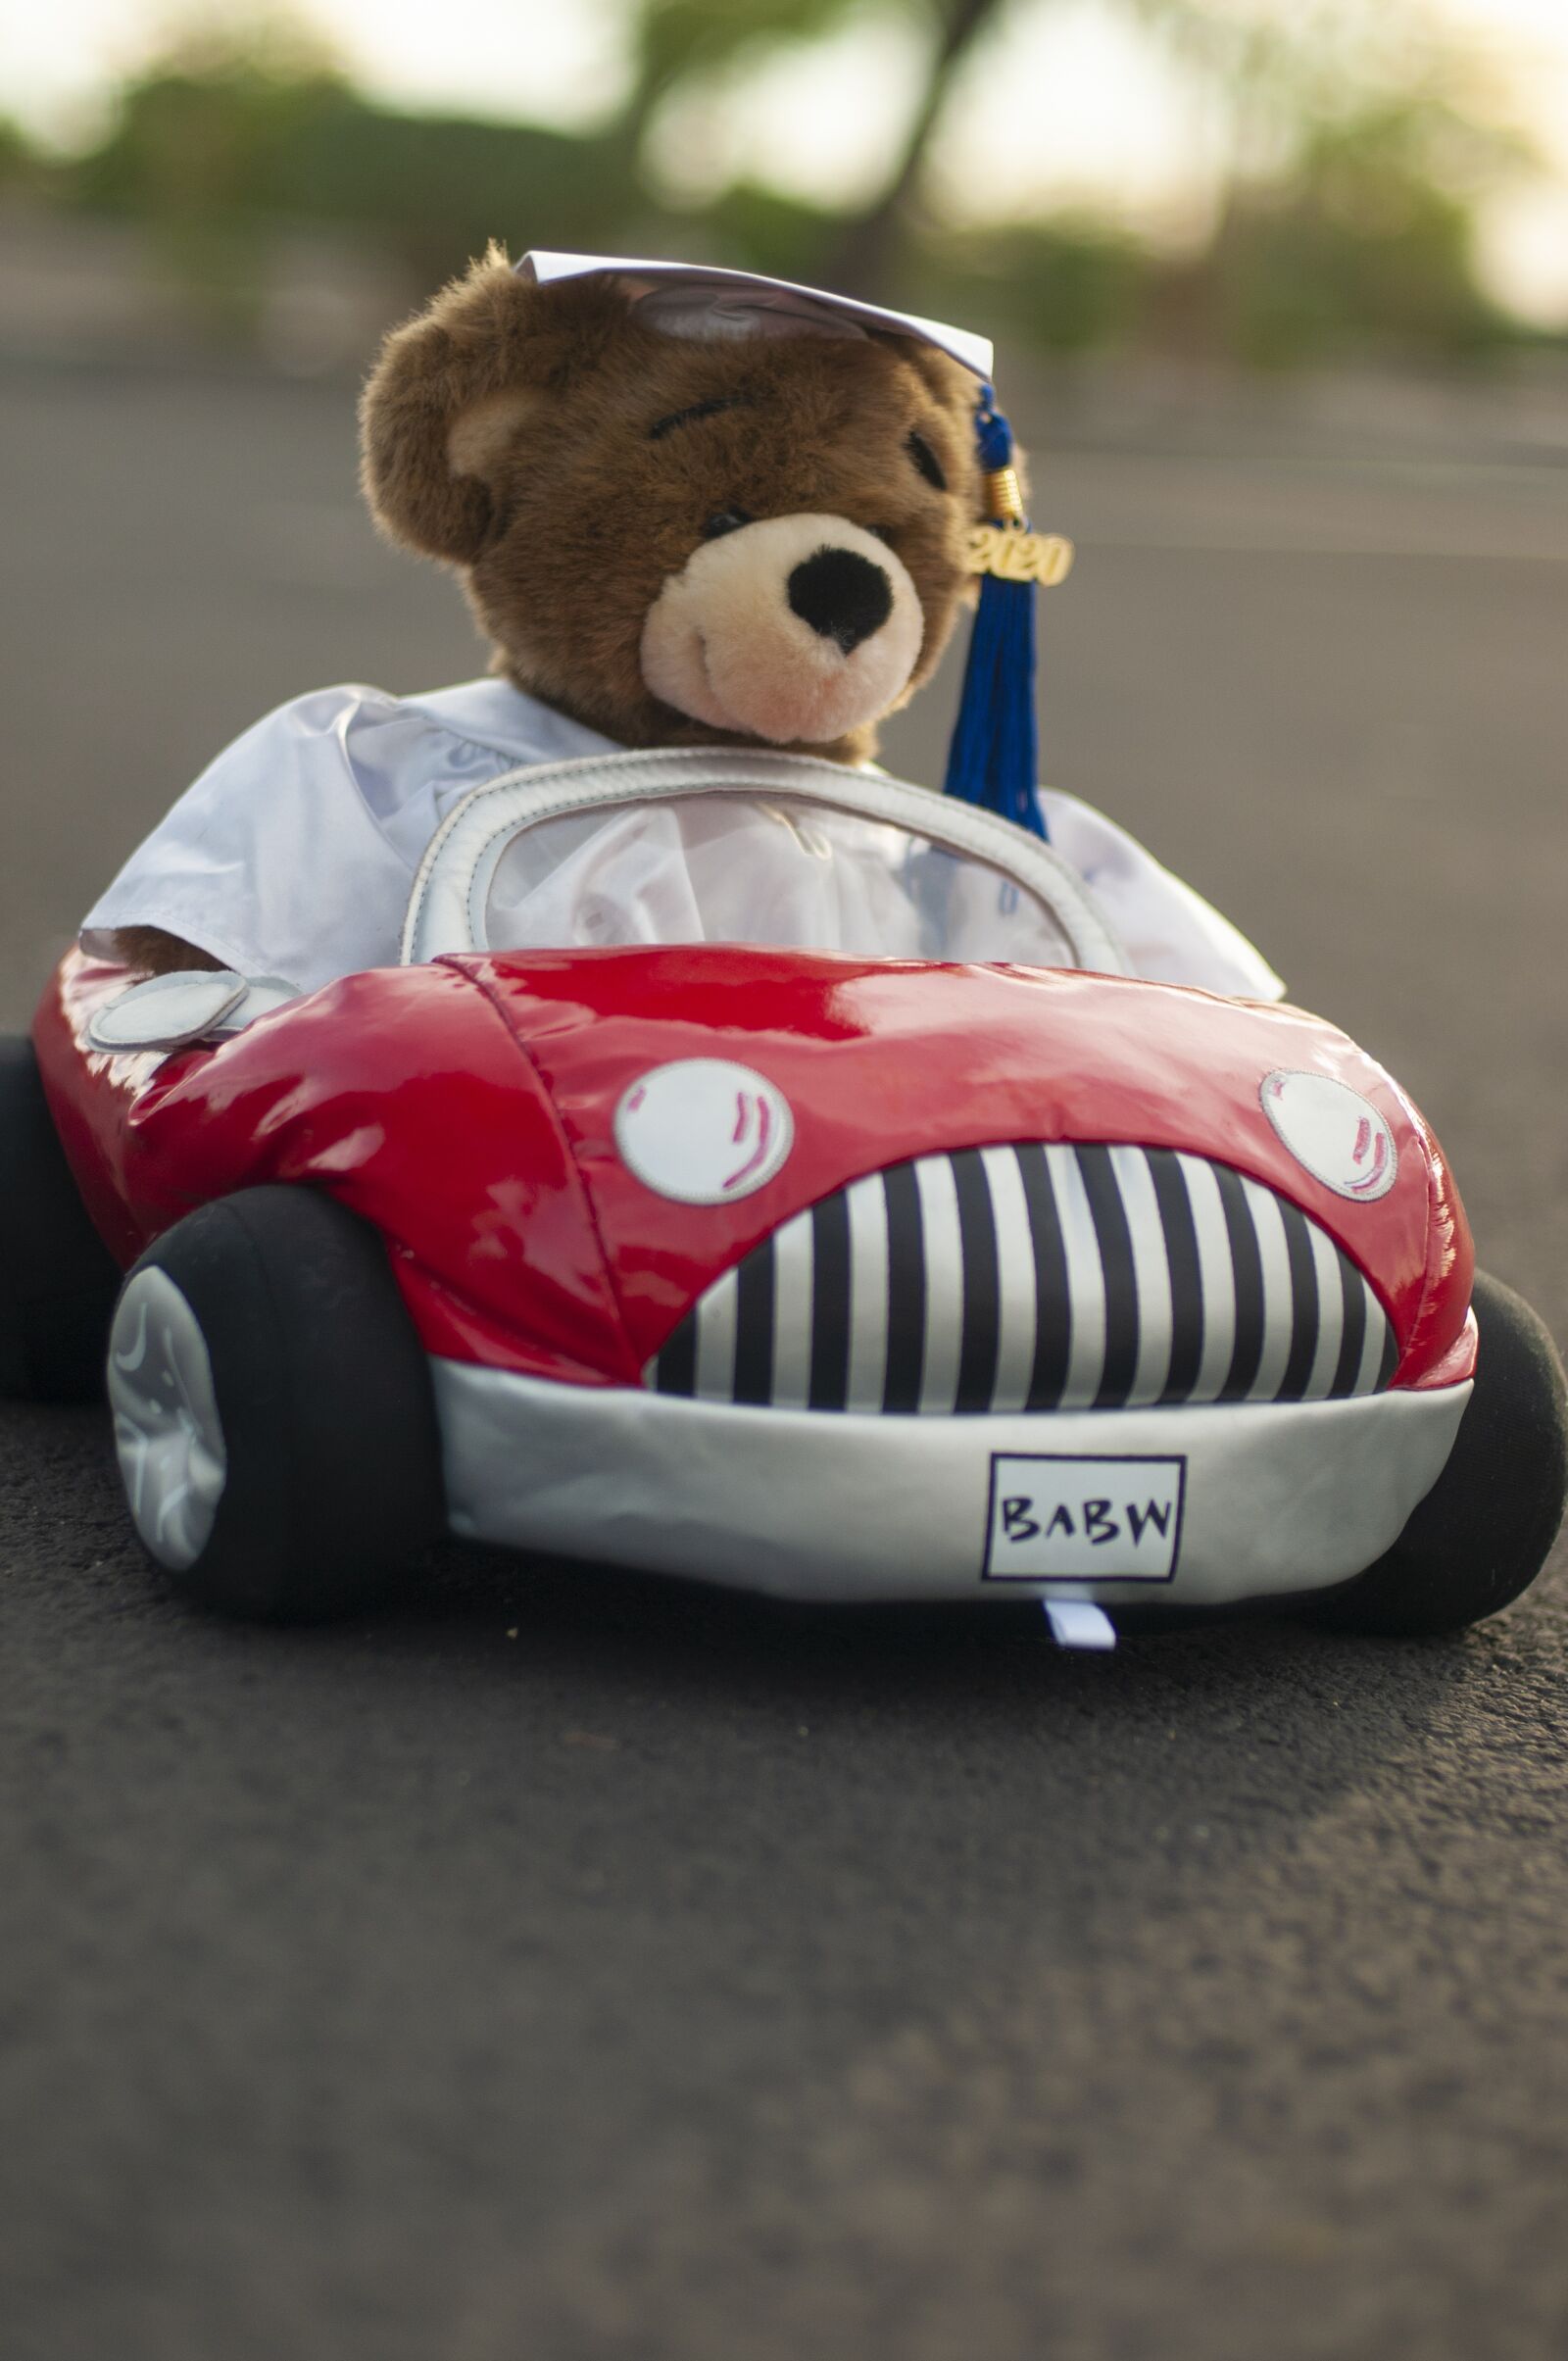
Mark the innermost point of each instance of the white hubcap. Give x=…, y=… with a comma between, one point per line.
x=167, y=1433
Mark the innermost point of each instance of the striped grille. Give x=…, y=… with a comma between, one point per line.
x=1036, y=1278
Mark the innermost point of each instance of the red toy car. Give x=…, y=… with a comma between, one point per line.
x=844, y=1275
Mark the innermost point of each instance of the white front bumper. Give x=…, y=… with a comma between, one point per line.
x=1184, y=1507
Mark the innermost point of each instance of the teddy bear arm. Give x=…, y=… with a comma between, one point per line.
x=150, y=951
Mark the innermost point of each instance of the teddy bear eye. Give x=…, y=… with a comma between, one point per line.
x=925, y=459
x=727, y=521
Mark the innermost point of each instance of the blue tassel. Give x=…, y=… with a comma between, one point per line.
x=993, y=759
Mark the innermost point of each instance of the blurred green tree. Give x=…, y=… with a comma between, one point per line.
x=680, y=41
x=19, y=165
x=220, y=140
x=193, y=152
x=1361, y=247
x=1350, y=145
x=1067, y=286
x=1356, y=144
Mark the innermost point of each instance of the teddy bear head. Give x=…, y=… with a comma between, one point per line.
x=680, y=539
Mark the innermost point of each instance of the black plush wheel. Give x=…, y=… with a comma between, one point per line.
x=1482, y=1534
x=57, y=1279
x=272, y=1408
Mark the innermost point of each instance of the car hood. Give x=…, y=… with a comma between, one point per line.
x=879, y=1061
x=469, y=1108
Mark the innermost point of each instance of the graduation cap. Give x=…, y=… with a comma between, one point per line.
x=992, y=760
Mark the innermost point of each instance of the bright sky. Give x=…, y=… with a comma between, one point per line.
x=1120, y=128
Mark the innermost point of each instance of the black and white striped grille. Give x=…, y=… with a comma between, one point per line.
x=1036, y=1278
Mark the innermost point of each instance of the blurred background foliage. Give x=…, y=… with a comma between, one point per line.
x=1353, y=143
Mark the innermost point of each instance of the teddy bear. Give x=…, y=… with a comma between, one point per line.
x=687, y=508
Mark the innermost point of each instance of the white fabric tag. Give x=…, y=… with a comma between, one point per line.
x=1077, y=1623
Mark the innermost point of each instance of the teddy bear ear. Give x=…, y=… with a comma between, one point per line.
x=448, y=396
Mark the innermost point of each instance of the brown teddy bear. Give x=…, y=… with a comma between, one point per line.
x=668, y=537
x=677, y=540
x=689, y=507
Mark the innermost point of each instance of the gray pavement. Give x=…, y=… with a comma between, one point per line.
x=565, y=1965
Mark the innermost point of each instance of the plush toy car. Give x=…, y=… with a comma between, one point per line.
x=951, y=1261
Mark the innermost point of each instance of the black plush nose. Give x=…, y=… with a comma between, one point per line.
x=842, y=594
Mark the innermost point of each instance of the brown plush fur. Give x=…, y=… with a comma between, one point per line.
x=506, y=433
x=152, y=951
x=576, y=516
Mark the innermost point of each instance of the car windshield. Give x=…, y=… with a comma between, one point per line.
x=773, y=869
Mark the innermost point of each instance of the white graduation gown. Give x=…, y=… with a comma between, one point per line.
x=294, y=854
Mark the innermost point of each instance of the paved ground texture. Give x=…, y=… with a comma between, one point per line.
x=563, y=1965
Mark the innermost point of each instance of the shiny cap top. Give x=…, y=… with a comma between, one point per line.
x=701, y=300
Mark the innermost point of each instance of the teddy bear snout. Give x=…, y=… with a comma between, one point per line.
x=841, y=595
x=795, y=630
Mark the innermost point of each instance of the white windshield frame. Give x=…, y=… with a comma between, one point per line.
x=446, y=913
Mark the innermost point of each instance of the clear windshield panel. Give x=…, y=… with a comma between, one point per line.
x=746, y=868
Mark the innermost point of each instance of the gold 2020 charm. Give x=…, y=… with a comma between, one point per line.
x=1014, y=556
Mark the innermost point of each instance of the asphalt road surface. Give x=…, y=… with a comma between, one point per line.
x=567, y=1965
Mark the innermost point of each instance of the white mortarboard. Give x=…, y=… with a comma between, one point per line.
x=701, y=300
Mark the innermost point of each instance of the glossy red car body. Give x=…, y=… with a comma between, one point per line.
x=464, y=1108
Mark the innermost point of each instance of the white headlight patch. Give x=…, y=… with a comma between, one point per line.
x=703, y=1130
x=1338, y=1136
